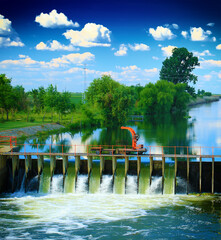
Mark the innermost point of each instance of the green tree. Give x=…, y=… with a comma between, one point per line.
x=6, y=94
x=38, y=96
x=63, y=103
x=178, y=68
x=163, y=97
x=20, y=97
x=51, y=98
x=111, y=98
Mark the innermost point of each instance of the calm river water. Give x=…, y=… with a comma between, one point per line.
x=107, y=213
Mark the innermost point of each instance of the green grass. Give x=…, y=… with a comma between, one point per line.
x=17, y=124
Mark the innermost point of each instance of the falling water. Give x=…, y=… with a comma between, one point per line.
x=131, y=184
x=82, y=184
x=106, y=184
x=57, y=184
x=156, y=185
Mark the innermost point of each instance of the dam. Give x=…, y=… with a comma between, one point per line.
x=167, y=170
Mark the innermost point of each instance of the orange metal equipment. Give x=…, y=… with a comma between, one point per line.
x=135, y=138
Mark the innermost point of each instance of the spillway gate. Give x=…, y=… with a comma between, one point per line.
x=199, y=167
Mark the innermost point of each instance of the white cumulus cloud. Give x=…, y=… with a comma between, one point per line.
x=184, y=34
x=122, y=50
x=91, y=35
x=55, y=45
x=167, y=51
x=161, y=33
x=210, y=24
x=139, y=47
x=9, y=38
x=218, y=47
x=210, y=63
x=198, y=34
x=202, y=54
x=54, y=19
x=64, y=61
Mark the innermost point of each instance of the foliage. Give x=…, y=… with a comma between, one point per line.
x=38, y=96
x=112, y=98
x=178, y=68
x=202, y=93
x=7, y=96
x=163, y=97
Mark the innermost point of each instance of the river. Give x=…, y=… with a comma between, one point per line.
x=118, y=212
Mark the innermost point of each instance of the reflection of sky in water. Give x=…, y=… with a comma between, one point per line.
x=204, y=130
x=207, y=127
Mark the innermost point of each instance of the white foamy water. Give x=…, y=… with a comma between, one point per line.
x=106, y=184
x=131, y=184
x=57, y=184
x=156, y=185
x=82, y=184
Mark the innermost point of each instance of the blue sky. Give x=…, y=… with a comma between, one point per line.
x=44, y=42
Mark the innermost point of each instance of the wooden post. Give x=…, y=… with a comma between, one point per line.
x=212, y=175
x=163, y=170
x=200, y=175
x=151, y=169
x=187, y=175
x=138, y=172
x=175, y=174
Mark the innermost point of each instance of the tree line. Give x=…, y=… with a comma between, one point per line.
x=41, y=100
x=110, y=102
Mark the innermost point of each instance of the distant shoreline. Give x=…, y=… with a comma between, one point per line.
x=205, y=99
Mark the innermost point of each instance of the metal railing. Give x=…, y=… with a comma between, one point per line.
x=8, y=140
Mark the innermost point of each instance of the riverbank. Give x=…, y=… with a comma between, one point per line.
x=33, y=130
x=202, y=100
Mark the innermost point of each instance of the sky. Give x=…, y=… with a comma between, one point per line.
x=70, y=43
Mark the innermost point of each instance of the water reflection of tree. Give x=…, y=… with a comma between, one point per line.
x=167, y=130
x=113, y=136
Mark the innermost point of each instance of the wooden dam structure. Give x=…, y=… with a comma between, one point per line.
x=199, y=166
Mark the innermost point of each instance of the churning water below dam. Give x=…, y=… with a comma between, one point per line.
x=107, y=209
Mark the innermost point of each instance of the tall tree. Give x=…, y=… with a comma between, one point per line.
x=178, y=68
x=112, y=98
x=51, y=97
x=6, y=94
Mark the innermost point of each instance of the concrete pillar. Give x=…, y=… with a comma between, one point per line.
x=77, y=167
x=200, y=175
x=175, y=174
x=101, y=167
x=126, y=166
x=40, y=168
x=212, y=182
x=28, y=163
x=151, y=169
x=114, y=167
x=52, y=166
x=40, y=164
x=3, y=173
x=15, y=166
x=163, y=170
x=65, y=167
x=89, y=169
x=138, y=172
x=187, y=175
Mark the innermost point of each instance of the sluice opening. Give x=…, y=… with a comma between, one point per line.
x=110, y=175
